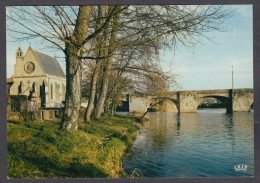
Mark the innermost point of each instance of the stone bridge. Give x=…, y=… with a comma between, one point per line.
x=235, y=100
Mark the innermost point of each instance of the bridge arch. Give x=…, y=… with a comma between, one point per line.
x=227, y=102
x=160, y=103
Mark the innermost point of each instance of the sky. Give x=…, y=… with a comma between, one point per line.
x=209, y=65
x=205, y=67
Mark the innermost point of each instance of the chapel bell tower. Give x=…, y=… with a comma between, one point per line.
x=19, y=52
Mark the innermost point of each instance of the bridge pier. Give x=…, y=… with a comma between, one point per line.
x=229, y=110
x=178, y=100
x=229, y=103
x=188, y=102
x=139, y=104
x=242, y=100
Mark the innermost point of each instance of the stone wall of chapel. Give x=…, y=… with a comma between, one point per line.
x=20, y=64
x=55, y=93
x=27, y=83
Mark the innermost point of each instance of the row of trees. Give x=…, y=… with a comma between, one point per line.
x=112, y=50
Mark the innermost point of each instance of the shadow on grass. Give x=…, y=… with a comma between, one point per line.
x=13, y=122
x=89, y=170
x=53, y=168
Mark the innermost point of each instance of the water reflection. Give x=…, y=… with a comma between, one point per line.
x=178, y=125
x=203, y=144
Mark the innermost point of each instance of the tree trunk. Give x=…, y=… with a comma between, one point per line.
x=92, y=93
x=103, y=92
x=100, y=43
x=73, y=90
x=107, y=66
x=112, y=108
x=73, y=48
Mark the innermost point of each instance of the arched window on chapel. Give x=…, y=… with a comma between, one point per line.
x=51, y=91
x=20, y=87
x=33, y=87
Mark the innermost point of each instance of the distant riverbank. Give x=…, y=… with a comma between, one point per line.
x=40, y=150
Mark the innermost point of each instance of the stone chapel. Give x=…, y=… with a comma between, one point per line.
x=38, y=75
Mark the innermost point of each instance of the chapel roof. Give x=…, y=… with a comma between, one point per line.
x=50, y=64
x=9, y=80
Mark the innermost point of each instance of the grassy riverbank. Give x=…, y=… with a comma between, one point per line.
x=40, y=150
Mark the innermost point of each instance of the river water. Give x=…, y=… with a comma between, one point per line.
x=208, y=143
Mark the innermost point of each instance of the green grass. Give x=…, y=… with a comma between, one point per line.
x=40, y=150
